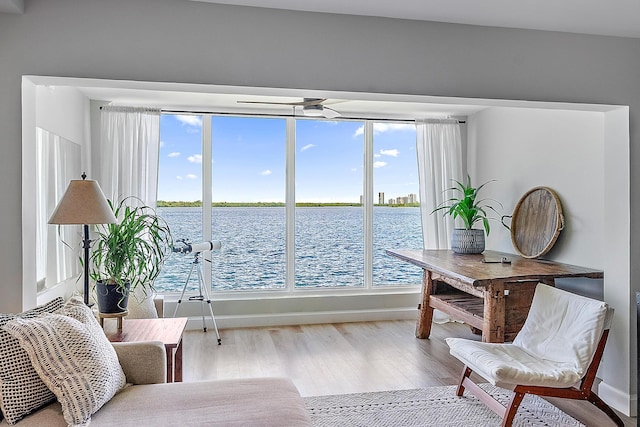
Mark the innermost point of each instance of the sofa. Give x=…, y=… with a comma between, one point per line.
x=150, y=401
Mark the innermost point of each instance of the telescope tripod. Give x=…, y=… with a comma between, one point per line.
x=197, y=265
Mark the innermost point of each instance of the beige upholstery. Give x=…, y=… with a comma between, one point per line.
x=142, y=362
x=248, y=402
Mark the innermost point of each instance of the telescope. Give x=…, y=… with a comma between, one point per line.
x=188, y=248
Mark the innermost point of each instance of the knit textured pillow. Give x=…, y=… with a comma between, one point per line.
x=21, y=389
x=73, y=357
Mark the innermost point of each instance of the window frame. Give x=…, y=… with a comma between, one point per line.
x=290, y=210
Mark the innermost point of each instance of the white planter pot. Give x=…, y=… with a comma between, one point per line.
x=465, y=241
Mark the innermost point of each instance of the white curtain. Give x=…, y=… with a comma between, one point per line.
x=439, y=149
x=57, y=162
x=129, y=147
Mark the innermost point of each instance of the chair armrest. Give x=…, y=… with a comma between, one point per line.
x=143, y=362
x=158, y=300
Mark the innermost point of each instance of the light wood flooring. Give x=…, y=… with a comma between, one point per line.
x=342, y=358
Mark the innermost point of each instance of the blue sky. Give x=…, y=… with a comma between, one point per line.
x=249, y=159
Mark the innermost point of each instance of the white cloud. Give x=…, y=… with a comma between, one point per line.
x=379, y=164
x=174, y=154
x=386, y=127
x=393, y=152
x=196, y=158
x=178, y=177
x=191, y=176
x=306, y=147
x=266, y=172
x=161, y=144
x=189, y=120
x=375, y=156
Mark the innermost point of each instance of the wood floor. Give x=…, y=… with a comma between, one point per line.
x=342, y=358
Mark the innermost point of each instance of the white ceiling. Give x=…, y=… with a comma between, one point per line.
x=11, y=6
x=178, y=97
x=617, y=17
x=605, y=17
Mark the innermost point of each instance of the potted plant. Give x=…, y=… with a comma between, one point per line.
x=470, y=209
x=128, y=254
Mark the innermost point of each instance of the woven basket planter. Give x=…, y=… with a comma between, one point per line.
x=465, y=241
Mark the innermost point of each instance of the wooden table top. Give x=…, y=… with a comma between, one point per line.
x=470, y=268
x=168, y=330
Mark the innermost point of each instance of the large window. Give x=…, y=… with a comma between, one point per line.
x=295, y=202
x=329, y=249
x=180, y=193
x=396, y=212
x=248, y=194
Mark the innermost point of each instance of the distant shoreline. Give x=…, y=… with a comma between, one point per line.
x=198, y=204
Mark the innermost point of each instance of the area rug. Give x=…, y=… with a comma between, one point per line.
x=433, y=406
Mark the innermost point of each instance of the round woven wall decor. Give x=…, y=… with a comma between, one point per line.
x=536, y=223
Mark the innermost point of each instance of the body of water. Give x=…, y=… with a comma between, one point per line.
x=329, y=247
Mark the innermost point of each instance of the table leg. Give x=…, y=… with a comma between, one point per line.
x=169, y=364
x=494, y=313
x=423, y=327
x=178, y=363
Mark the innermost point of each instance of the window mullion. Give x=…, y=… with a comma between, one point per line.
x=206, y=194
x=290, y=203
x=368, y=204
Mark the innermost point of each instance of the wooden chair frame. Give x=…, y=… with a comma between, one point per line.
x=509, y=412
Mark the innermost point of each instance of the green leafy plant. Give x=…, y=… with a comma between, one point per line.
x=467, y=206
x=132, y=250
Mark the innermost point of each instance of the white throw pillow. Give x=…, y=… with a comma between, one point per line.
x=141, y=305
x=73, y=358
x=21, y=389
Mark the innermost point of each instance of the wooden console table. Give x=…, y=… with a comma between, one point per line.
x=167, y=330
x=493, y=297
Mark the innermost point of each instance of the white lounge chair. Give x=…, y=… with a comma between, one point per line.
x=556, y=353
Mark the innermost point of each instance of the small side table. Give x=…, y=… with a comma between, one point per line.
x=168, y=330
x=119, y=316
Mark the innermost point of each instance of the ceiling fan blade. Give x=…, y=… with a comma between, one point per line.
x=330, y=113
x=268, y=103
x=304, y=103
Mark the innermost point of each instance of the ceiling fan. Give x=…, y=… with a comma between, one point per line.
x=311, y=107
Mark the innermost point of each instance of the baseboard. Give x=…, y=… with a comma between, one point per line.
x=306, y=318
x=623, y=402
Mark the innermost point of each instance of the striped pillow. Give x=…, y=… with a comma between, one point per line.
x=21, y=389
x=73, y=357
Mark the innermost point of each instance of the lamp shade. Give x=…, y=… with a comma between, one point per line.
x=83, y=203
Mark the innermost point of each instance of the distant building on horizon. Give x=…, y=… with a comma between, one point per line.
x=381, y=198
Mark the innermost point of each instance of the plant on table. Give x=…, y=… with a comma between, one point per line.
x=471, y=209
x=130, y=253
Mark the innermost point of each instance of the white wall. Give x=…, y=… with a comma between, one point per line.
x=62, y=111
x=194, y=42
x=563, y=150
x=579, y=155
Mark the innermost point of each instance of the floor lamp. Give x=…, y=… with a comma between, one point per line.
x=83, y=204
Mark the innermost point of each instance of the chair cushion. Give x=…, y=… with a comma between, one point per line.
x=507, y=365
x=553, y=349
x=21, y=389
x=73, y=358
x=562, y=327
